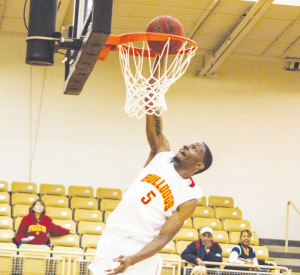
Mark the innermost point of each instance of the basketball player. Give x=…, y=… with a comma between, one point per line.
x=154, y=207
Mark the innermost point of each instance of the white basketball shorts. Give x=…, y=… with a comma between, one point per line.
x=110, y=247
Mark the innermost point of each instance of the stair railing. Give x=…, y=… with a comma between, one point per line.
x=287, y=223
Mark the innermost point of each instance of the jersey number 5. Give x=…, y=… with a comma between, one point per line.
x=147, y=200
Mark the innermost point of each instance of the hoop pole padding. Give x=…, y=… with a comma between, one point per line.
x=114, y=40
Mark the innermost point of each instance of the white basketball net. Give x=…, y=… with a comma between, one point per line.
x=145, y=94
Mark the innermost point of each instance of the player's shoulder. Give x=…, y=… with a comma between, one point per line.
x=161, y=156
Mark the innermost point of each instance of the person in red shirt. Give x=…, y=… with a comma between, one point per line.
x=36, y=226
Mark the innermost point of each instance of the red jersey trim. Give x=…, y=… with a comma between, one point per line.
x=192, y=184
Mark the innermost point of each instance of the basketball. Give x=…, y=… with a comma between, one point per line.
x=165, y=24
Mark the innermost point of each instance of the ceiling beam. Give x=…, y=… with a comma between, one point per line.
x=296, y=21
x=2, y=6
x=235, y=37
x=203, y=18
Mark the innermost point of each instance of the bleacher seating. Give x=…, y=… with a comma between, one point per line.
x=204, y=212
x=213, y=223
x=55, y=201
x=169, y=248
x=23, y=187
x=80, y=191
x=4, y=197
x=220, y=236
x=217, y=201
x=5, y=209
x=108, y=204
x=84, y=203
x=3, y=186
x=6, y=222
x=235, y=225
x=86, y=215
x=228, y=213
x=52, y=189
x=188, y=223
x=109, y=193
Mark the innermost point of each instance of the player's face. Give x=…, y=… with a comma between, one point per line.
x=38, y=208
x=245, y=239
x=191, y=153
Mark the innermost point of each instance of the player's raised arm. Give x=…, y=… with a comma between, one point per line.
x=154, y=123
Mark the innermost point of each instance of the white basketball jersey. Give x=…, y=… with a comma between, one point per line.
x=151, y=199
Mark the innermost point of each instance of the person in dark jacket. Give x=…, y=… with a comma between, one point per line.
x=36, y=226
x=204, y=249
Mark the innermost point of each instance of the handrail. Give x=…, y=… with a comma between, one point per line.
x=287, y=223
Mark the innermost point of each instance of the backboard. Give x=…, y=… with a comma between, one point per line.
x=92, y=24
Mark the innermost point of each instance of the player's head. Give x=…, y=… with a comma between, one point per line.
x=195, y=157
x=207, y=159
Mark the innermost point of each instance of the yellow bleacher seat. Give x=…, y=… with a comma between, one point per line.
x=89, y=241
x=213, y=223
x=3, y=186
x=108, y=204
x=109, y=193
x=4, y=197
x=8, y=249
x=88, y=215
x=217, y=201
x=17, y=223
x=6, y=235
x=169, y=248
x=59, y=213
x=188, y=223
x=235, y=225
x=41, y=250
x=20, y=210
x=94, y=228
x=23, y=198
x=81, y=191
x=226, y=249
x=181, y=246
x=186, y=234
x=84, y=203
x=90, y=251
x=262, y=252
x=7, y=253
x=52, y=189
x=106, y=215
x=68, y=224
x=23, y=187
x=5, y=209
x=66, y=240
x=220, y=236
x=6, y=222
x=56, y=201
x=254, y=239
x=204, y=212
x=228, y=213
x=202, y=201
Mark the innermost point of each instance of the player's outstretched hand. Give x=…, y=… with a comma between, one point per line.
x=125, y=262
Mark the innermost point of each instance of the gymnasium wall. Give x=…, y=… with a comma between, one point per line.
x=248, y=115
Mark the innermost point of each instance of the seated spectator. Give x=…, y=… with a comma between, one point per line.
x=204, y=249
x=36, y=226
x=242, y=253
